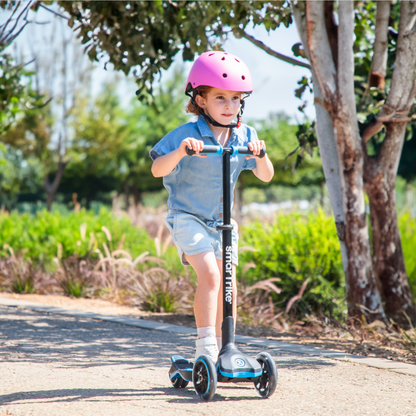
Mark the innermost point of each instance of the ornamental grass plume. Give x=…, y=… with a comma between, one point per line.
x=19, y=275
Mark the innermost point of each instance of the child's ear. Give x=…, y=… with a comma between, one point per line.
x=200, y=101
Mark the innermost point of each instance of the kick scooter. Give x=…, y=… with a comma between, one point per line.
x=233, y=365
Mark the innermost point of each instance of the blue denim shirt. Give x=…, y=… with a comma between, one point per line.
x=195, y=185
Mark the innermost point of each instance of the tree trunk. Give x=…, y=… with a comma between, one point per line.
x=326, y=144
x=137, y=198
x=380, y=174
x=126, y=195
x=363, y=291
x=337, y=86
x=52, y=188
x=388, y=260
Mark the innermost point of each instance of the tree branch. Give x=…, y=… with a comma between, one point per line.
x=379, y=62
x=7, y=38
x=54, y=12
x=241, y=33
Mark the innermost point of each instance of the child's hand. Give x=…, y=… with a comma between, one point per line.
x=256, y=147
x=196, y=145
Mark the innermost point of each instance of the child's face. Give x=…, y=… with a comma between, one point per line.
x=221, y=105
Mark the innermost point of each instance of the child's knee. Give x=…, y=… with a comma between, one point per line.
x=211, y=279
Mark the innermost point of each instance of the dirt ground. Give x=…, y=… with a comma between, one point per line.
x=378, y=345
x=59, y=365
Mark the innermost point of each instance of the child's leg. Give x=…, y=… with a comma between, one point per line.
x=220, y=313
x=205, y=304
x=206, y=296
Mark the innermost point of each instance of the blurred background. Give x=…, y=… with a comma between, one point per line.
x=76, y=191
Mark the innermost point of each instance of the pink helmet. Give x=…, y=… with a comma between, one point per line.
x=220, y=70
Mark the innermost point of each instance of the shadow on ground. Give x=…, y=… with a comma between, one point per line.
x=28, y=336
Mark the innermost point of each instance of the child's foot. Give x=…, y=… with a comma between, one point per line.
x=207, y=346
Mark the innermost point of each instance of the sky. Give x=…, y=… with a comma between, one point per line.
x=274, y=80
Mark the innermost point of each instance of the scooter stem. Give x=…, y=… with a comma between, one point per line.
x=227, y=258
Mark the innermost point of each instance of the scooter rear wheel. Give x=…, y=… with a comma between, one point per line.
x=204, y=377
x=179, y=383
x=267, y=382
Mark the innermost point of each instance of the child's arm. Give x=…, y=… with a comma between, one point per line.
x=264, y=169
x=165, y=164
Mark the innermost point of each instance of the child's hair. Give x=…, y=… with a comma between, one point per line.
x=193, y=107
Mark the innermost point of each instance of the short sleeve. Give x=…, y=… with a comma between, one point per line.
x=164, y=146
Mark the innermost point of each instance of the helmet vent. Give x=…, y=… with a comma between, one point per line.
x=224, y=75
x=237, y=60
x=243, y=77
x=210, y=54
x=223, y=58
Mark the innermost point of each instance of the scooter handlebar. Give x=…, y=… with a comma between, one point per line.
x=244, y=150
x=207, y=149
x=235, y=150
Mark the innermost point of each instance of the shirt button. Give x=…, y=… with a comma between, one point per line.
x=220, y=215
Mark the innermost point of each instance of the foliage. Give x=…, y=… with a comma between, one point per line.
x=21, y=276
x=17, y=97
x=408, y=158
x=298, y=248
x=147, y=35
x=41, y=235
x=17, y=175
x=255, y=303
x=12, y=92
x=284, y=141
x=407, y=225
x=157, y=291
x=25, y=133
x=292, y=264
x=74, y=276
x=111, y=146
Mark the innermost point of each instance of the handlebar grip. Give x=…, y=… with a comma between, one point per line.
x=206, y=149
x=244, y=150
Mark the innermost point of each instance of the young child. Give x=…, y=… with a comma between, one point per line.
x=217, y=85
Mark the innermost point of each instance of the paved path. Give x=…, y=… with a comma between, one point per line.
x=54, y=364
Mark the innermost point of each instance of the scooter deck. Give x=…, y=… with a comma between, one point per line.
x=181, y=367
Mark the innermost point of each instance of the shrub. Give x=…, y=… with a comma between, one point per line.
x=157, y=291
x=75, y=276
x=18, y=275
x=296, y=248
x=407, y=226
x=77, y=234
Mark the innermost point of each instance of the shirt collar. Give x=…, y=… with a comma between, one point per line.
x=206, y=132
x=203, y=127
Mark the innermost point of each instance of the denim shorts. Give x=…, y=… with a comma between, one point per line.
x=192, y=235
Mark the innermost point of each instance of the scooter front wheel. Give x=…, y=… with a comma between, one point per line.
x=266, y=384
x=204, y=377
